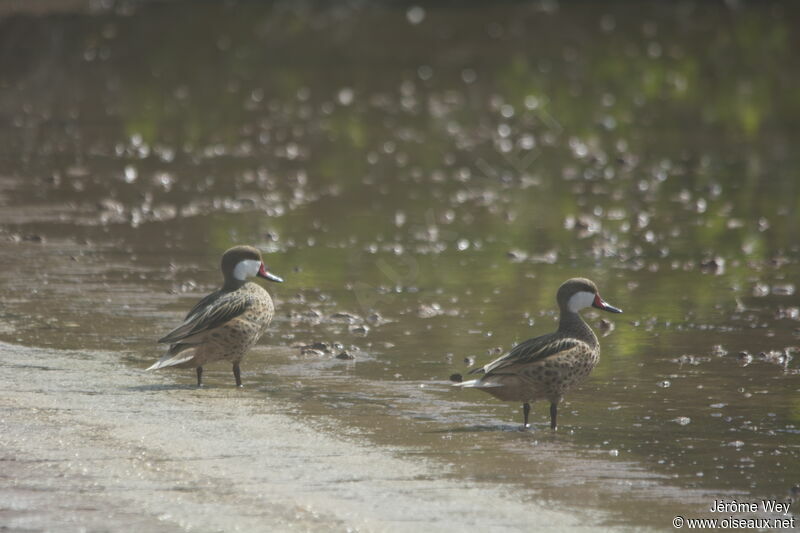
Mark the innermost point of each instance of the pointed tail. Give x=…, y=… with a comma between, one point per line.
x=476, y=384
x=172, y=359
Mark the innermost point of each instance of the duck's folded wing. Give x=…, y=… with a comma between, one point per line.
x=206, y=317
x=531, y=351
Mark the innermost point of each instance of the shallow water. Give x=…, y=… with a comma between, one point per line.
x=436, y=174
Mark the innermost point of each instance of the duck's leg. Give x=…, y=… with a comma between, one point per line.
x=199, y=376
x=553, y=415
x=526, y=410
x=237, y=374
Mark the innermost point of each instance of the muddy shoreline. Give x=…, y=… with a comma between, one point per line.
x=91, y=445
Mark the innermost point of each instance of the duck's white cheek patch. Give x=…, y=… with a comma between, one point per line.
x=580, y=300
x=246, y=269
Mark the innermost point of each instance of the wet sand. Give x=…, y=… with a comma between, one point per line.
x=91, y=444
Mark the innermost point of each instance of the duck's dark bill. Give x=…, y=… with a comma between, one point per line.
x=600, y=304
x=263, y=273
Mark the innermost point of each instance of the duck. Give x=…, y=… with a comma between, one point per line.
x=224, y=325
x=546, y=367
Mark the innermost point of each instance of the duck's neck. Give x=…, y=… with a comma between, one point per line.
x=231, y=283
x=573, y=325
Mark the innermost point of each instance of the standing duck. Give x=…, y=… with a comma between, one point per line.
x=547, y=367
x=227, y=323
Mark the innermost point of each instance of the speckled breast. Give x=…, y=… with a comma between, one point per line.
x=232, y=340
x=261, y=309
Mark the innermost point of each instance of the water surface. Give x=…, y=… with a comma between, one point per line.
x=435, y=173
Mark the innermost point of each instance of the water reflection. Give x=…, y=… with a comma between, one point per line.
x=443, y=170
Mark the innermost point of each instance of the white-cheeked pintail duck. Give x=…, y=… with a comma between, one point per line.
x=227, y=323
x=546, y=367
